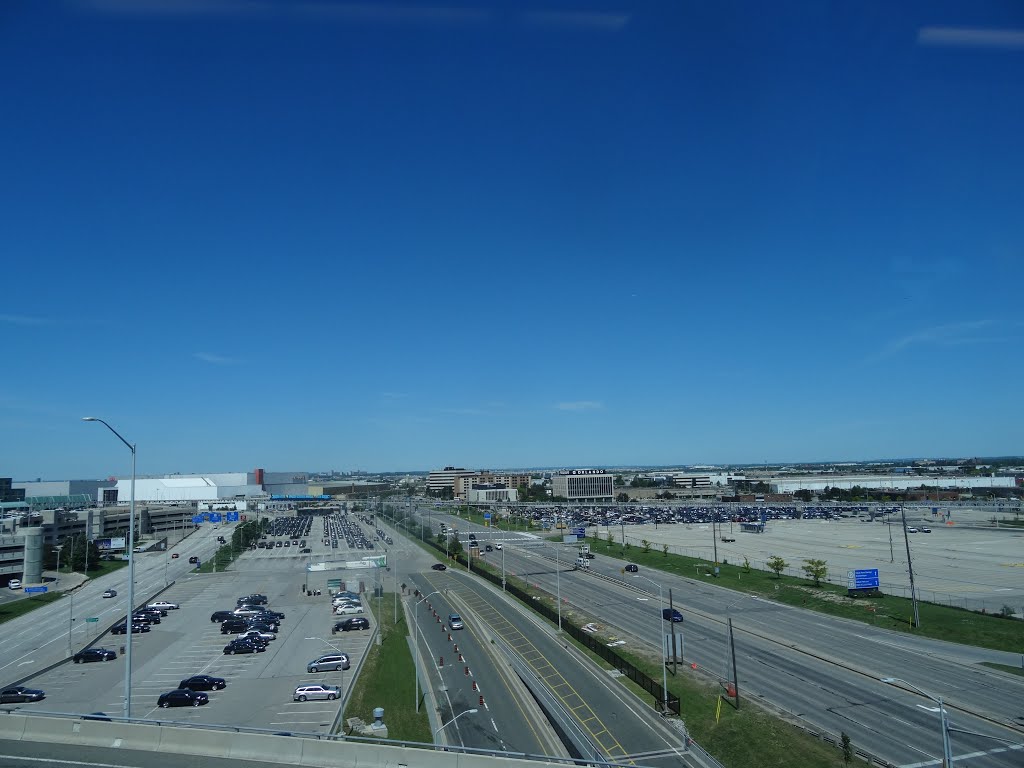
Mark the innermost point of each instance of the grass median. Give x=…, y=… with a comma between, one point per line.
x=387, y=679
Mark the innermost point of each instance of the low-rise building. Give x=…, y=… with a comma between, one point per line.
x=584, y=485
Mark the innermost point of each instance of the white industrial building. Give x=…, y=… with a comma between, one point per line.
x=186, y=488
x=586, y=485
x=902, y=482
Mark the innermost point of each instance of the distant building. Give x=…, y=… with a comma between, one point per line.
x=584, y=485
x=464, y=483
x=54, y=489
x=492, y=494
x=440, y=479
x=9, y=492
x=900, y=483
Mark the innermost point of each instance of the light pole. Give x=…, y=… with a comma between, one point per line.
x=333, y=647
x=558, y=583
x=466, y=712
x=947, y=748
x=664, y=656
x=131, y=574
x=57, y=549
x=416, y=649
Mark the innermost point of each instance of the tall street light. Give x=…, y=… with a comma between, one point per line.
x=466, y=712
x=57, y=549
x=664, y=656
x=947, y=748
x=416, y=649
x=131, y=574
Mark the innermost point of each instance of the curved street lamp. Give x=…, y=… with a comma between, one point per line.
x=466, y=712
x=947, y=747
x=131, y=574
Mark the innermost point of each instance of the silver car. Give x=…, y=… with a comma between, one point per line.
x=305, y=692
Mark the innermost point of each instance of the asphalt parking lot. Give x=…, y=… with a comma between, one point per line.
x=187, y=642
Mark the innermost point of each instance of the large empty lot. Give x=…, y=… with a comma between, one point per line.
x=956, y=564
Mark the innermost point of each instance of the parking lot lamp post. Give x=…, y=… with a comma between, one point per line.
x=947, y=747
x=416, y=649
x=57, y=549
x=664, y=656
x=131, y=574
x=466, y=712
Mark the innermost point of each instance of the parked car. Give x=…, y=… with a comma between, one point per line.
x=349, y=595
x=222, y=616
x=20, y=694
x=926, y=530
x=153, y=611
x=305, y=692
x=182, y=697
x=336, y=661
x=254, y=599
x=14, y=584
x=149, y=618
x=455, y=621
x=122, y=628
x=93, y=654
x=237, y=647
x=439, y=567
x=110, y=593
x=164, y=605
x=256, y=633
x=234, y=625
x=671, y=614
x=497, y=546
x=347, y=610
x=350, y=624
x=632, y=567
x=203, y=683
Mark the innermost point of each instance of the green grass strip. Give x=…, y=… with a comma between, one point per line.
x=386, y=680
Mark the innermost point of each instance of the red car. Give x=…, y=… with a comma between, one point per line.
x=174, y=556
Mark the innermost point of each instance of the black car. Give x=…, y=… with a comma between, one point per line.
x=20, y=694
x=158, y=612
x=252, y=600
x=182, y=697
x=234, y=625
x=222, y=616
x=122, y=628
x=439, y=567
x=632, y=567
x=350, y=624
x=149, y=618
x=244, y=647
x=671, y=614
x=194, y=560
x=93, y=654
x=268, y=615
x=261, y=626
x=203, y=683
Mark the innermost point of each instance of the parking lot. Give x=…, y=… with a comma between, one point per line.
x=955, y=564
x=260, y=686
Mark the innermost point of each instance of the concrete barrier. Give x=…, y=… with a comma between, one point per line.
x=326, y=754
x=279, y=749
x=197, y=741
x=12, y=726
x=52, y=729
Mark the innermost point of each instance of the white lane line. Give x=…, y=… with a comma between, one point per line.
x=296, y=722
x=51, y=760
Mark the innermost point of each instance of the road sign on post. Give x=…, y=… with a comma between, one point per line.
x=232, y=517
x=197, y=519
x=92, y=619
x=33, y=590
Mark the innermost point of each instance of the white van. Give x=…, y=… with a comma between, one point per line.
x=582, y=562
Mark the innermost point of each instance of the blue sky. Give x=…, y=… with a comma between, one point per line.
x=391, y=236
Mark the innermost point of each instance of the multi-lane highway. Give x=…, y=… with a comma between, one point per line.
x=824, y=671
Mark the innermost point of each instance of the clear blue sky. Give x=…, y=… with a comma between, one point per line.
x=397, y=236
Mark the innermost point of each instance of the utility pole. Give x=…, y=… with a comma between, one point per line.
x=910, y=569
x=735, y=675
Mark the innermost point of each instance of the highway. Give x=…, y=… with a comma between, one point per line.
x=822, y=670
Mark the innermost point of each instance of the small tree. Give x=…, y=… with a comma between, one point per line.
x=746, y=564
x=647, y=545
x=610, y=538
x=777, y=565
x=847, y=748
x=664, y=549
x=815, y=569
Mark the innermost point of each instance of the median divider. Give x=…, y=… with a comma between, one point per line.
x=12, y=726
x=195, y=741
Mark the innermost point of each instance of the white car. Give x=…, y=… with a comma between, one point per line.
x=256, y=633
x=345, y=601
x=304, y=692
x=348, y=610
x=164, y=605
x=498, y=546
x=14, y=584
